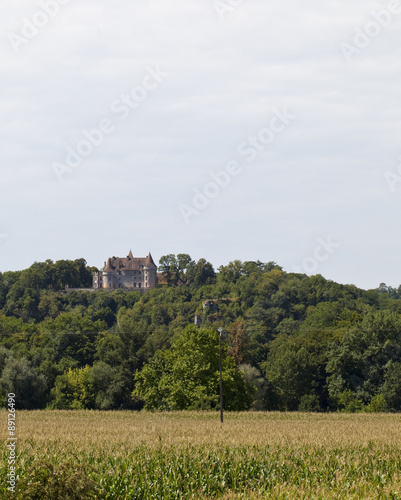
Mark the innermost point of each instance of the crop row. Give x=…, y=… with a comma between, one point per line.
x=58, y=470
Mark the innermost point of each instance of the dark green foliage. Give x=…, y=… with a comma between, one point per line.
x=309, y=403
x=367, y=358
x=315, y=344
x=19, y=377
x=391, y=388
x=177, y=269
x=101, y=387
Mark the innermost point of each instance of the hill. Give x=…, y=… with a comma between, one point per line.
x=299, y=342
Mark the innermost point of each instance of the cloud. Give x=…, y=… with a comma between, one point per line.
x=324, y=175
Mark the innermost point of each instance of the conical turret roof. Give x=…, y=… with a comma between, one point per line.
x=130, y=256
x=149, y=261
x=109, y=268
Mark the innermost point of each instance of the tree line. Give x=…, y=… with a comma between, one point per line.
x=290, y=342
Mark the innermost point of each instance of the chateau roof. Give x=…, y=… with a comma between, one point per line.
x=109, y=268
x=149, y=261
x=161, y=280
x=129, y=263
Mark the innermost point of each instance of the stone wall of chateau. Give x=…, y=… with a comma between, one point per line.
x=97, y=280
x=130, y=279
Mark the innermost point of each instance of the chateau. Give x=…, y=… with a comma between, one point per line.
x=127, y=272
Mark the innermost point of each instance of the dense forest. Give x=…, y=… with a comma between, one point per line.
x=290, y=342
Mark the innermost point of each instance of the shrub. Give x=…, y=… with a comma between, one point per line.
x=309, y=403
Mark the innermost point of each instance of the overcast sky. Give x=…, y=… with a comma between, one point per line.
x=223, y=129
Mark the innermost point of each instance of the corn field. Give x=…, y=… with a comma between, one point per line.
x=125, y=455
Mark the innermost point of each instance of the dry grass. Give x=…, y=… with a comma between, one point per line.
x=193, y=428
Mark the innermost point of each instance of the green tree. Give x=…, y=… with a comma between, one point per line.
x=176, y=268
x=84, y=272
x=362, y=361
x=22, y=379
x=254, y=378
x=168, y=265
x=74, y=390
x=309, y=403
x=110, y=349
x=232, y=272
x=391, y=389
x=202, y=273
x=185, y=265
x=109, y=386
x=289, y=369
x=187, y=376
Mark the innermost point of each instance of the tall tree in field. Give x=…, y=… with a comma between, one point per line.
x=187, y=376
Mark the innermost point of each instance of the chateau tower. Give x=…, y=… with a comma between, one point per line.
x=150, y=271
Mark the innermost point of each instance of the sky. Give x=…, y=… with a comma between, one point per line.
x=225, y=129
